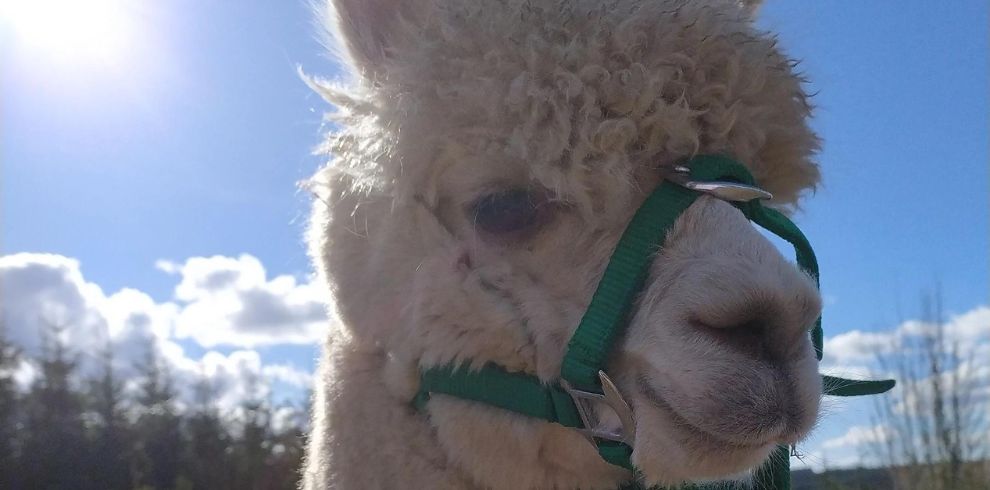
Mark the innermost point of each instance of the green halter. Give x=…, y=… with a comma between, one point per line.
x=582, y=373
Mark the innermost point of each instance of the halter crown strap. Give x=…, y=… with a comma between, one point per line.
x=607, y=316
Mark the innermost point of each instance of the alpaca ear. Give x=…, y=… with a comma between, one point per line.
x=366, y=28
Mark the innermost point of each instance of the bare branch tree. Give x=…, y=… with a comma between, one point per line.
x=932, y=431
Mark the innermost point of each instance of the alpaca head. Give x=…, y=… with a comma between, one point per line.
x=488, y=159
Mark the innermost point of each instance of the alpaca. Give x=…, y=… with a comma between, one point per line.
x=486, y=159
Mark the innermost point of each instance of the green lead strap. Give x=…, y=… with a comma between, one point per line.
x=517, y=392
x=604, y=320
x=491, y=383
x=607, y=315
x=836, y=386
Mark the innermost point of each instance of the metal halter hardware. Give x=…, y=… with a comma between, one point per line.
x=611, y=397
x=583, y=387
x=726, y=191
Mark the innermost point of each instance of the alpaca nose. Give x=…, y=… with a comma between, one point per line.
x=736, y=291
x=771, y=324
x=749, y=336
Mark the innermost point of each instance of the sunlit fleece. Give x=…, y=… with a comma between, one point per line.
x=72, y=31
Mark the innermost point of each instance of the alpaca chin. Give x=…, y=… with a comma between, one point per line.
x=683, y=438
x=668, y=452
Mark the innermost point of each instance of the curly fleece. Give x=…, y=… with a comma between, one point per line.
x=581, y=93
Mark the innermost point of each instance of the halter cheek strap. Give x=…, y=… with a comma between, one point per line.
x=583, y=379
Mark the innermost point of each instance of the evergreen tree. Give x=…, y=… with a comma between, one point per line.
x=253, y=446
x=288, y=445
x=110, y=440
x=158, y=431
x=54, y=437
x=110, y=464
x=207, y=457
x=10, y=358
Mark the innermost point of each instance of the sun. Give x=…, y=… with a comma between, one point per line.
x=71, y=31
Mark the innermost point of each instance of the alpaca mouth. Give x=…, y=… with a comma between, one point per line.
x=758, y=436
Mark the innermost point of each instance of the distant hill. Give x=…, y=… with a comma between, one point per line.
x=976, y=475
x=849, y=479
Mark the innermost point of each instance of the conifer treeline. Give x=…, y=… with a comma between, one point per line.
x=67, y=431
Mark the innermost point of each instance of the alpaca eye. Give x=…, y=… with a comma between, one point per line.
x=510, y=213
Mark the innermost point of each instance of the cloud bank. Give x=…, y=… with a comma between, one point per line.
x=231, y=309
x=856, y=353
x=219, y=303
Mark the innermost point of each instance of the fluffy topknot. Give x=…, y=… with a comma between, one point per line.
x=578, y=96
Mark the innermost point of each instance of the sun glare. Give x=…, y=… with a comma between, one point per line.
x=73, y=31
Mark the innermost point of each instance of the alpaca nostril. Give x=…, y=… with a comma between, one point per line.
x=750, y=337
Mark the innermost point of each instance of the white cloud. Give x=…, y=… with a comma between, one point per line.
x=855, y=354
x=129, y=311
x=822, y=460
x=288, y=374
x=851, y=371
x=218, y=300
x=856, y=347
x=43, y=288
x=205, y=276
x=235, y=377
x=972, y=325
x=167, y=266
x=859, y=435
x=25, y=373
x=855, y=350
x=228, y=301
x=288, y=417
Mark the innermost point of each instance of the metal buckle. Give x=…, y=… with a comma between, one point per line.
x=589, y=417
x=727, y=191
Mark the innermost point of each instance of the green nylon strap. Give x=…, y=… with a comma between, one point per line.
x=776, y=474
x=836, y=386
x=517, y=392
x=606, y=318
x=491, y=383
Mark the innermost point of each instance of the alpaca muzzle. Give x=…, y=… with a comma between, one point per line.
x=577, y=398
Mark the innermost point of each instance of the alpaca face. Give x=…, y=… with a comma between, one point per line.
x=717, y=361
x=489, y=161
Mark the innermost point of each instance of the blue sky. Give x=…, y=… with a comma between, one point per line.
x=189, y=139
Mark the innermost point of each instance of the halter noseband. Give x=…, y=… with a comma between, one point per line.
x=583, y=380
